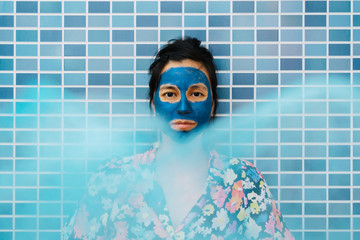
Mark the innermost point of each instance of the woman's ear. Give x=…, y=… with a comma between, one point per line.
x=212, y=109
x=153, y=106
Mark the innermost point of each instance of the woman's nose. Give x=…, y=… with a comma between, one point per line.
x=185, y=106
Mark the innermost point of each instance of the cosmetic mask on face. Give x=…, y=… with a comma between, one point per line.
x=183, y=101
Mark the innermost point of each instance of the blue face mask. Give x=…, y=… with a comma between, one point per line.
x=183, y=101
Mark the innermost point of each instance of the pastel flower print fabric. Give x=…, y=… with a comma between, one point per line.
x=125, y=202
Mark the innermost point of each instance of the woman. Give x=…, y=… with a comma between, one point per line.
x=179, y=189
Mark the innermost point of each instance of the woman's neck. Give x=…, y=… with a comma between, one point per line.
x=180, y=163
x=181, y=172
x=177, y=153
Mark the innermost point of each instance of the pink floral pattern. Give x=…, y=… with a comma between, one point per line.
x=125, y=202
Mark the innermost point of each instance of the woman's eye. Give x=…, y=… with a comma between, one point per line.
x=170, y=94
x=197, y=94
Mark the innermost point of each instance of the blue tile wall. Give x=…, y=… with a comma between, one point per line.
x=74, y=73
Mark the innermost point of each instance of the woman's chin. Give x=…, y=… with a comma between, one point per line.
x=181, y=136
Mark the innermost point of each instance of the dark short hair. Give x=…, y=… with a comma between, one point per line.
x=180, y=49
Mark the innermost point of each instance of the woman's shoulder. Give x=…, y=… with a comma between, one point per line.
x=240, y=165
x=114, y=185
x=235, y=169
x=134, y=161
x=120, y=172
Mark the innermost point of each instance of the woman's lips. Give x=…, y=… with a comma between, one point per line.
x=183, y=125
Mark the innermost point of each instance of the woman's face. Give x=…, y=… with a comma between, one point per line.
x=183, y=99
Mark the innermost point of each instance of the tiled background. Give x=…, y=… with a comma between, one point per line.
x=73, y=87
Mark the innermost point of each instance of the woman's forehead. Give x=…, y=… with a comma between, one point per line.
x=185, y=63
x=184, y=76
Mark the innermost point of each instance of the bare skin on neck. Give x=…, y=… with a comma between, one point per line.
x=181, y=172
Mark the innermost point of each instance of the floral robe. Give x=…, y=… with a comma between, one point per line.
x=125, y=202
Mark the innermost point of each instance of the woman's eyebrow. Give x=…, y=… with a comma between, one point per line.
x=198, y=85
x=168, y=86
